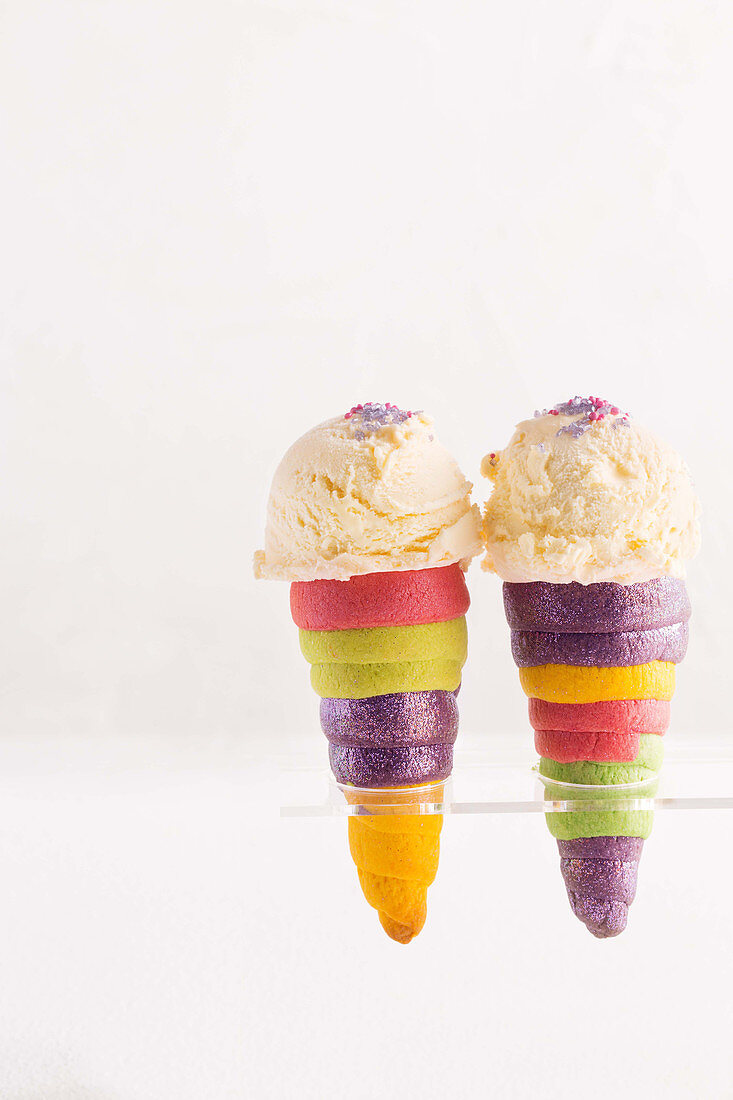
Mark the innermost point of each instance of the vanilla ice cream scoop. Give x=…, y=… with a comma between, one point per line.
x=369, y=491
x=584, y=493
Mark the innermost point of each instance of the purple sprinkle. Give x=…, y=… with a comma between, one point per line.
x=588, y=410
x=576, y=429
x=368, y=419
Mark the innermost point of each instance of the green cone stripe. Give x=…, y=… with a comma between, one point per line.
x=647, y=763
x=337, y=681
x=387, y=644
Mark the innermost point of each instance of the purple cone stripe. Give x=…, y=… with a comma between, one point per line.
x=621, y=649
x=395, y=767
x=602, y=879
x=600, y=875
x=603, y=608
x=408, y=718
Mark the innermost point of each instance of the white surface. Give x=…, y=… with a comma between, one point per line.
x=160, y=937
x=225, y=222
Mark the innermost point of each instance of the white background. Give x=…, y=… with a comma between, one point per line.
x=222, y=223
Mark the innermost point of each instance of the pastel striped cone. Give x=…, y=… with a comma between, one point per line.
x=598, y=664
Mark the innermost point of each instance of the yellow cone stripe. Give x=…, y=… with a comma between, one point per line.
x=576, y=684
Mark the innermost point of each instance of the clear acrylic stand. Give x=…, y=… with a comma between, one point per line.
x=503, y=780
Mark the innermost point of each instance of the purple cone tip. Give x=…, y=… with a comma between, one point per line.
x=600, y=875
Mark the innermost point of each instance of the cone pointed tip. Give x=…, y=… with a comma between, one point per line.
x=600, y=875
x=400, y=933
x=603, y=919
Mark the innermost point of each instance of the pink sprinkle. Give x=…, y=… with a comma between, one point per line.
x=601, y=416
x=614, y=411
x=554, y=412
x=493, y=454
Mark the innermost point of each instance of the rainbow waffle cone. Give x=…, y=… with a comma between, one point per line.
x=590, y=523
x=396, y=854
x=386, y=652
x=598, y=664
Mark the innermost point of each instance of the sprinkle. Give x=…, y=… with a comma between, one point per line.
x=575, y=429
x=371, y=417
x=586, y=411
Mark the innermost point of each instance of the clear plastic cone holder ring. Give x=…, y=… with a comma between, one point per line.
x=477, y=786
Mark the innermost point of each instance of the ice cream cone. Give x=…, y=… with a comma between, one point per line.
x=370, y=520
x=590, y=524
